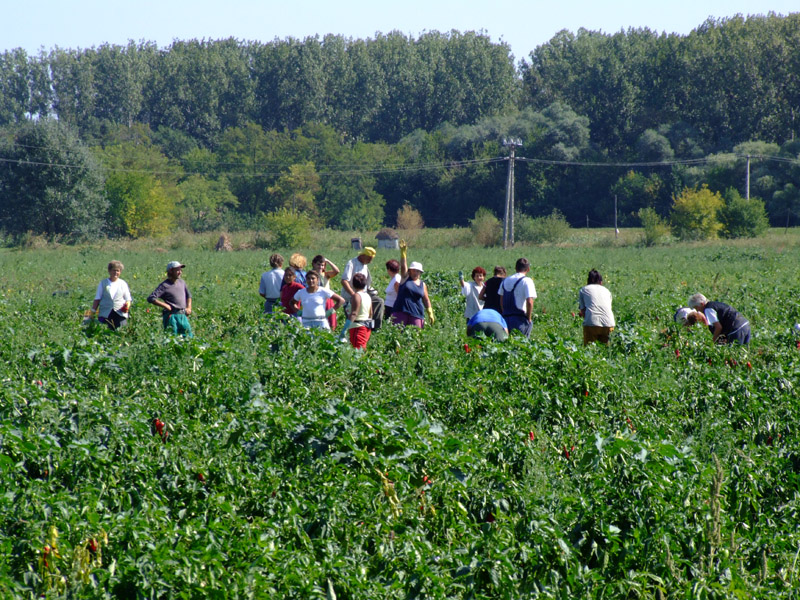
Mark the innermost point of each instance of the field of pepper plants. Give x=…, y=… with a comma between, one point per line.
x=260, y=460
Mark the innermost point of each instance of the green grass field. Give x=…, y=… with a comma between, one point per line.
x=431, y=466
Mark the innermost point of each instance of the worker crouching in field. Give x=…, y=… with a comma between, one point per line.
x=594, y=304
x=488, y=322
x=174, y=298
x=725, y=323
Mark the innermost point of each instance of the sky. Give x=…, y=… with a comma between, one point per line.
x=524, y=24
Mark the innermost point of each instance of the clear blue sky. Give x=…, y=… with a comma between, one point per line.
x=523, y=24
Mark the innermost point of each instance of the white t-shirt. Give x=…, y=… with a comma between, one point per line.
x=471, y=290
x=313, y=304
x=523, y=291
x=112, y=295
x=271, y=284
x=595, y=300
x=352, y=267
x=391, y=293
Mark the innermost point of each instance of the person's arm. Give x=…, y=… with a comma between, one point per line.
x=581, y=304
x=189, y=305
x=355, y=304
x=97, y=296
x=403, y=260
x=155, y=298
x=717, y=331
x=426, y=302
x=529, y=309
x=338, y=301
x=333, y=271
x=347, y=275
x=482, y=295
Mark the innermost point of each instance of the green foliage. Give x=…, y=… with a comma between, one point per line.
x=288, y=229
x=695, y=214
x=635, y=191
x=205, y=202
x=49, y=183
x=263, y=460
x=742, y=218
x=656, y=229
x=487, y=229
x=296, y=189
x=552, y=229
x=140, y=206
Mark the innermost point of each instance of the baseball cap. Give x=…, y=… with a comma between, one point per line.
x=174, y=264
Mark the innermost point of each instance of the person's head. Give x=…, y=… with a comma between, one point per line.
x=415, y=270
x=359, y=282
x=594, y=278
x=695, y=317
x=697, y=301
x=115, y=269
x=682, y=314
x=522, y=266
x=298, y=261
x=392, y=267
x=289, y=275
x=367, y=254
x=318, y=263
x=499, y=271
x=276, y=261
x=175, y=269
x=478, y=274
x=312, y=281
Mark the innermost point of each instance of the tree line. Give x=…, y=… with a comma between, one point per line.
x=207, y=134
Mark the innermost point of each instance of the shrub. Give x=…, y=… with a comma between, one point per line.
x=656, y=228
x=409, y=218
x=742, y=218
x=694, y=214
x=486, y=228
x=541, y=230
x=289, y=229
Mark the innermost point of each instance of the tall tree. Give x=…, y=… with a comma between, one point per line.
x=50, y=183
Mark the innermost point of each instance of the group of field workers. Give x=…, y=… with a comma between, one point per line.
x=494, y=307
x=306, y=295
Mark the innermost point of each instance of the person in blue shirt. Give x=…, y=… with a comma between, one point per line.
x=488, y=322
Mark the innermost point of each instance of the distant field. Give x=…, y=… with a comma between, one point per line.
x=431, y=466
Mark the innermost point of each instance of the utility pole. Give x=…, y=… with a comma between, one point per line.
x=747, y=186
x=508, y=220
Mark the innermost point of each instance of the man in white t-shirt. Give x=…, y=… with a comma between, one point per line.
x=517, y=294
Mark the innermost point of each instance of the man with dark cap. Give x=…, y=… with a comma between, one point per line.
x=175, y=300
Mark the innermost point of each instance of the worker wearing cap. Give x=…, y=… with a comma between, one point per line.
x=360, y=264
x=174, y=298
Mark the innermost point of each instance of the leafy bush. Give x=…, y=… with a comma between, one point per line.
x=551, y=229
x=694, y=214
x=140, y=204
x=409, y=218
x=486, y=228
x=289, y=229
x=656, y=229
x=742, y=218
